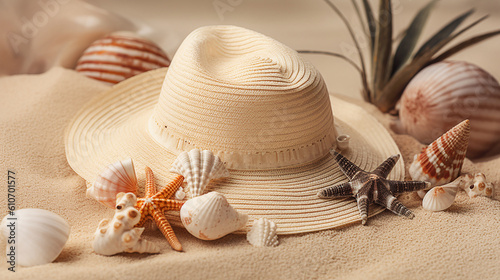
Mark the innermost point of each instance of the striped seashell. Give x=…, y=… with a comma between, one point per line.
x=120, y=56
x=263, y=233
x=442, y=197
x=117, y=177
x=198, y=168
x=445, y=93
x=441, y=161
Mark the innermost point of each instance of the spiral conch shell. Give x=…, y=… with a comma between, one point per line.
x=445, y=93
x=441, y=198
x=40, y=235
x=119, y=235
x=198, y=168
x=442, y=160
x=116, y=178
x=210, y=216
x=120, y=56
x=263, y=233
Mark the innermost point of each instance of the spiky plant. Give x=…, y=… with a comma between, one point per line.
x=391, y=71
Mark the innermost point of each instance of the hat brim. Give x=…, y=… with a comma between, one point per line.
x=114, y=126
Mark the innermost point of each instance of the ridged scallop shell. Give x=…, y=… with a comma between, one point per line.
x=210, y=216
x=40, y=235
x=120, y=56
x=441, y=198
x=445, y=93
x=198, y=168
x=263, y=233
x=116, y=177
x=441, y=161
x=119, y=235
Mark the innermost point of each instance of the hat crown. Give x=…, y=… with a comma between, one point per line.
x=248, y=98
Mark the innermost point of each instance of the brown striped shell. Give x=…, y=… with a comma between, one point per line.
x=445, y=93
x=120, y=56
x=441, y=161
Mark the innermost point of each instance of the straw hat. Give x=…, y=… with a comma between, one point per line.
x=256, y=104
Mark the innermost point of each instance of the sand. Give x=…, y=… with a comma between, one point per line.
x=462, y=242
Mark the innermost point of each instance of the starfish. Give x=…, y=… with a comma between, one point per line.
x=154, y=205
x=368, y=187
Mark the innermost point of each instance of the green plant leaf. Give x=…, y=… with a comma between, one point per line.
x=383, y=48
x=409, y=41
x=372, y=25
x=443, y=34
x=464, y=44
x=394, y=88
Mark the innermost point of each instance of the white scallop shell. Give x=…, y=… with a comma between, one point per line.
x=440, y=198
x=40, y=235
x=263, y=233
x=117, y=177
x=120, y=56
x=444, y=94
x=119, y=235
x=198, y=168
x=210, y=216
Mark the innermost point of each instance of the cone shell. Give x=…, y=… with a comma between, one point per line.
x=120, y=56
x=117, y=177
x=440, y=198
x=198, y=168
x=441, y=161
x=40, y=235
x=445, y=93
x=263, y=233
x=210, y=216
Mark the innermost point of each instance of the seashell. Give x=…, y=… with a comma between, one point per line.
x=477, y=186
x=117, y=177
x=198, y=168
x=445, y=93
x=119, y=235
x=120, y=56
x=441, y=198
x=263, y=233
x=40, y=235
x=343, y=142
x=210, y=216
x=442, y=160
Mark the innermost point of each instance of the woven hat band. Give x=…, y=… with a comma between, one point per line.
x=246, y=97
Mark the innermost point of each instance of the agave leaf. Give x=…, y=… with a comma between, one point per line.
x=465, y=44
x=372, y=25
x=394, y=88
x=443, y=34
x=410, y=39
x=383, y=47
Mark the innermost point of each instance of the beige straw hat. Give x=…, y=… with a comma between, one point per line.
x=256, y=104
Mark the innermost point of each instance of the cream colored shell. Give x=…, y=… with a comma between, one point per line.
x=210, y=216
x=477, y=185
x=198, y=168
x=444, y=94
x=441, y=198
x=119, y=235
x=263, y=233
x=40, y=235
x=115, y=178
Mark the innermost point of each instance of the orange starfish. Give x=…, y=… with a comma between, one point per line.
x=154, y=205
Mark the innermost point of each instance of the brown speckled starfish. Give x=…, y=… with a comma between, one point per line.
x=368, y=187
x=154, y=205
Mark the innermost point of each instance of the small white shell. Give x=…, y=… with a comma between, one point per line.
x=119, y=235
x=445, y=93
x=478, y=186
x=40, y=235
x=343, y=142
x=441, y=197
x=210, y=216
x=263, y=233
x=117, y=177
x=198, y=168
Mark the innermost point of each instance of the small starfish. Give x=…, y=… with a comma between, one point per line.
x=154, y=205
x=368, y=187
